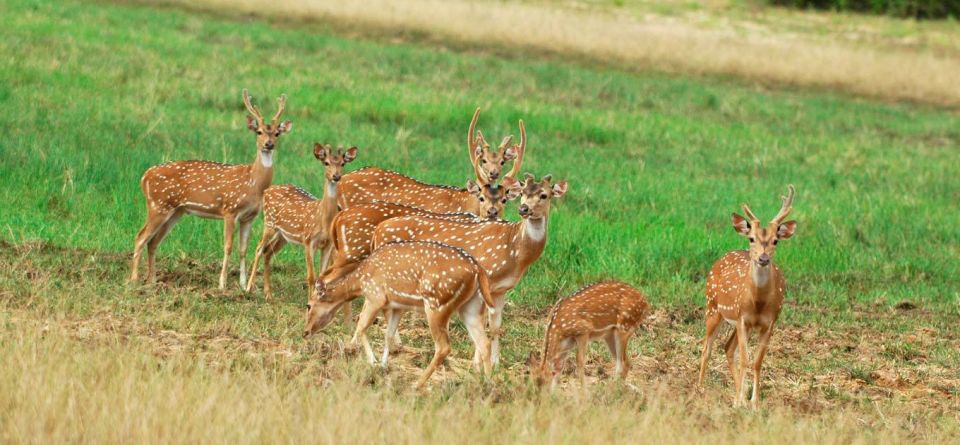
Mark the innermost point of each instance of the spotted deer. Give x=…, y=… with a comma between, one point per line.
x=352, y=229
x=504, y=249
x=213, y=190
x=432, y=278
x=373, y=184
x=610, y=310
x=745, y=289
x=293, y=215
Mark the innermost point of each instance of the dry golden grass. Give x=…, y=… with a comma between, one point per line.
x=889, y=72
x=98, y=382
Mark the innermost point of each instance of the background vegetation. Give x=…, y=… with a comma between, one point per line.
x=95, y=93
x=920, y=9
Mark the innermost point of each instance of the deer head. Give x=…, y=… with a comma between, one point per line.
x=333, y=161
x=488, y=164
x=491, y=198
x=763, y=240
x=535, y=196
x=320, y=309
x=267, y=134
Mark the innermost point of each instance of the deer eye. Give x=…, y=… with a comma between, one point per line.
x=751, y=239
x=483, y=161
x=502, y=161
x=259, y=131
x=481, y=199
x=774, y=242
x=308, y=306
x=327, y=163
x=543, y=196
x=504, y=200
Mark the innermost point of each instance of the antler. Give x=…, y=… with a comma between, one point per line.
x=470, y=139
x=521, y=148
x=753, y=218
x=281, y=104
x=251, y=108
x=786, y=207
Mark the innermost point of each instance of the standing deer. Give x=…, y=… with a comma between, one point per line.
x=372, y=184
x=746, y=289
x=293, y=215
x=232, y=193
x=610, y=310
x=429, y=277
x=352, y=229
x=504, y=249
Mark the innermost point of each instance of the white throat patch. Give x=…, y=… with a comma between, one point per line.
x=761, y=275
x=332, y=189
x=266, y=158
x=536, y=230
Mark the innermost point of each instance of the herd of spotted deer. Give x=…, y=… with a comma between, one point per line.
x=405, y=245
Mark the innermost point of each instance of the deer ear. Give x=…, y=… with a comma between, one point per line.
x=512, y=184
x=319, y=151
x=741, y=225
x=509, y=153
x=251, y=123
x=559, y=189
x=473, y=187
x=285, y=128
x=785, y=230
x=350, y=155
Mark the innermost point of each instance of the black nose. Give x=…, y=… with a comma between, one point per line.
x=492, y=212
x=764, y=259
x=494, y=175
x=336, y=177
x=524, y=208
x=268, y=145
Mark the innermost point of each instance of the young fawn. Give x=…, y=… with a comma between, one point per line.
x=369, y=185
x=435, y=279
x=504, y=249
x=352, y=229
x=232, y=193
x=746, y=290
x=293, y=215
x=609, y=310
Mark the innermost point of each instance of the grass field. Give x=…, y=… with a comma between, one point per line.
x=94, y=93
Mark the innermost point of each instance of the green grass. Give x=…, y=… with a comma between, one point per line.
x=95, y=93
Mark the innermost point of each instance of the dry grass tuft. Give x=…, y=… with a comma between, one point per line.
x=905, y=73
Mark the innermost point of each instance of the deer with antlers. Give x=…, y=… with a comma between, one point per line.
x=373, y=184
x=745, y=289
x=432, y=278
x=610, y=310
x=293, y=215
x=504, y=249
x=232, y=193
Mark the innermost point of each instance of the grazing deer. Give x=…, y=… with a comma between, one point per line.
x=504, y=249
x=232, y=193
x=352, y=229
x=429, y=277
x=746, y=289
x=293, y=215
x=372, y=184
x=609, y=310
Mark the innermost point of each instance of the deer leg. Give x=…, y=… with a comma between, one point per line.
x=583, y=342
x=154, y=221
x=229, y=226
x=245, y=227
x=742, y=345
x=758, y=362
x=367, y=315
x=155, y=243
x=326, y=257
x=389, y=315
x=623, y=360
x=271, y=249
x=472, y=316
x=731, y=348
x=496, y=320
x=391, y=333
x=438, y=321
x=308, y=250
x=265, y=240
x=713, y=322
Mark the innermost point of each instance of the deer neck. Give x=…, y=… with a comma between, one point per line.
x=761, y=278
x=261, y=172
x=531, y=239
x=344, y=289
x=328, y=205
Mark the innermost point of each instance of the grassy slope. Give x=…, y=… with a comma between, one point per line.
x=97, y=93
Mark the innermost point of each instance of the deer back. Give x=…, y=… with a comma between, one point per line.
x=205, y=188
x=371, y=184
x=599, y=307
x=292, y=210
x=732, y=289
